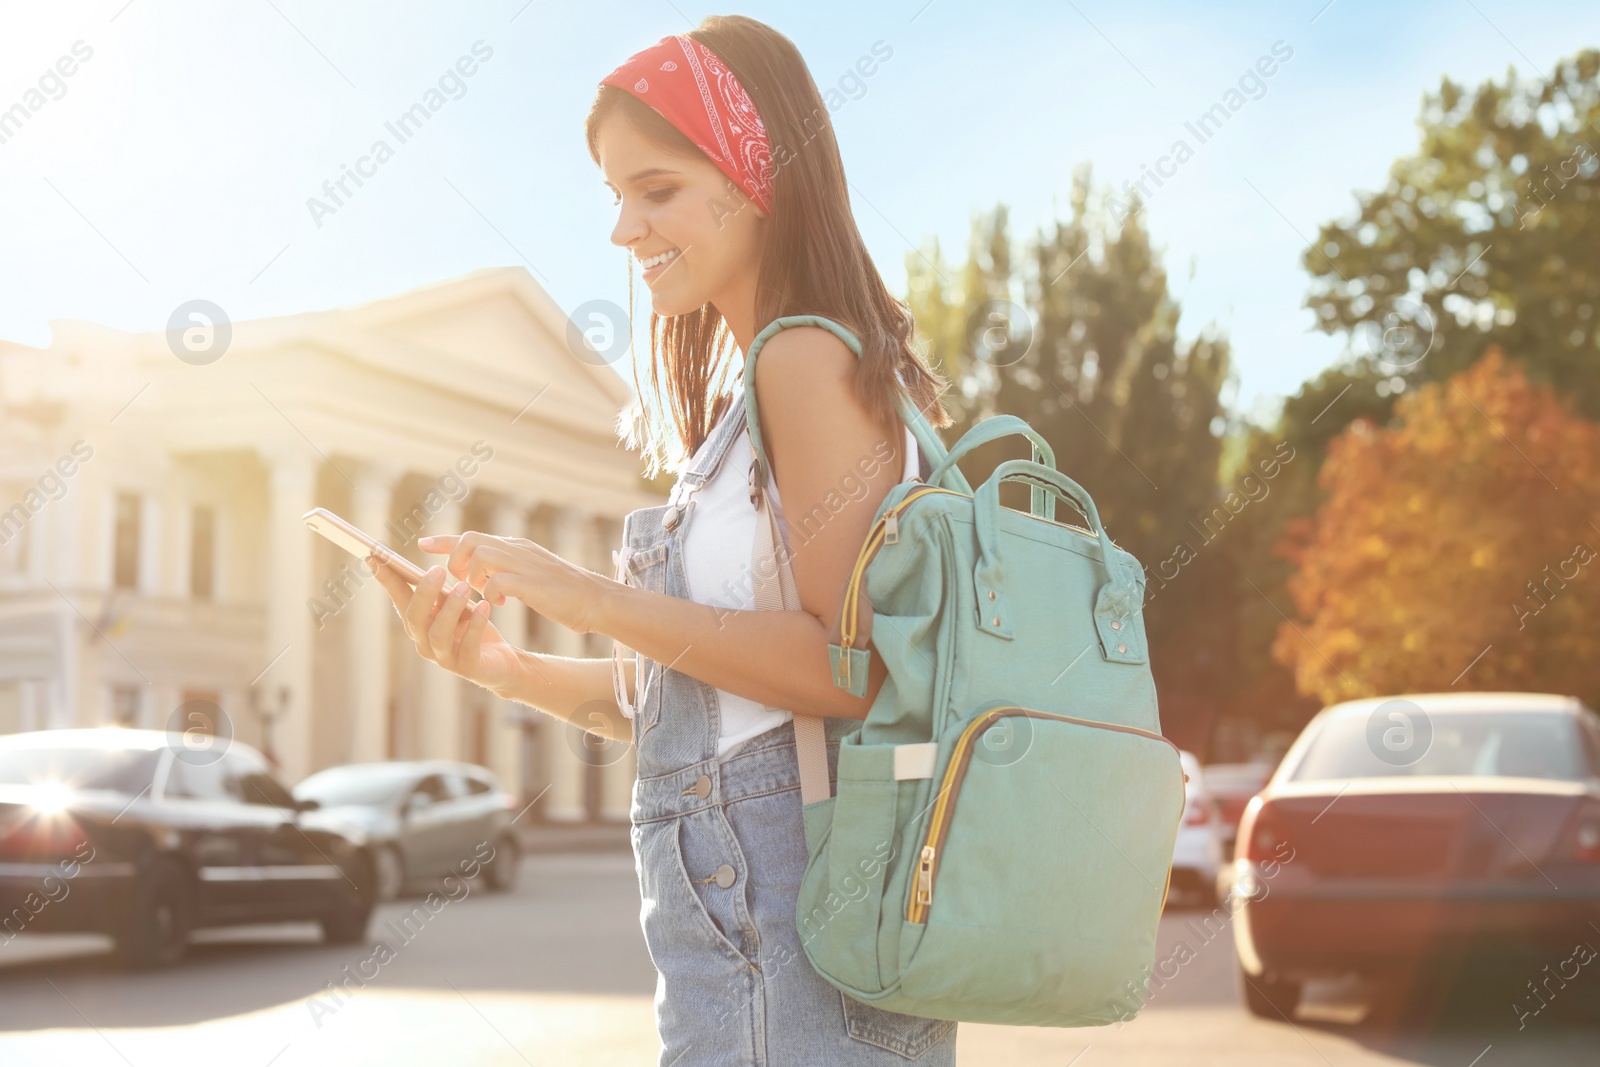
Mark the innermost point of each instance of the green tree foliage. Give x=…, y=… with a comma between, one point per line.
x=1486, y=234
x=1490, y=232
x=1261, y=690
x=1079, y=339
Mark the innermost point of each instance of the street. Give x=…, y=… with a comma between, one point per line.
x=556, y=973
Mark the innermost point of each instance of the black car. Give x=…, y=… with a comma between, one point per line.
x=144, y=836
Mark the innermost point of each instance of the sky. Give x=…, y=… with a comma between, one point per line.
x=180, y=159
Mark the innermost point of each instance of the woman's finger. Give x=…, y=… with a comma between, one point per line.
x=503, y=584
x=398, y=589
x=488, y=558
x=419, y=613
x=472, y=638
x=442, y=632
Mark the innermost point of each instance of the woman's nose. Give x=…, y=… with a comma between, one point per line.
x=630, y=227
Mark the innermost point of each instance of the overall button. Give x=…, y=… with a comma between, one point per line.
x=673, y=516
x=724, y=876
x=701, y=787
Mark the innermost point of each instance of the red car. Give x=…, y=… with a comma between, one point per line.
x=1414, y=827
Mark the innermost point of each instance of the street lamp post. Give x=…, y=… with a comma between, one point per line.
x=267, y=717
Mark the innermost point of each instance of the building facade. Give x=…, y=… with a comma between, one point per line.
x=155, y=569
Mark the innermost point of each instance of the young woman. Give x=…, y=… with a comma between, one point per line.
x=732, y=198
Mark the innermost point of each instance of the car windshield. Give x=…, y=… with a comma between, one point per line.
x=1456, y=744
x=120, y=770
x=357, y=785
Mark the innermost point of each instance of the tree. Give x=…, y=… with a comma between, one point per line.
x=949, y=307
x=1490, y=232
x=1455, y=550
x=1260, y=690
x=1082, y=345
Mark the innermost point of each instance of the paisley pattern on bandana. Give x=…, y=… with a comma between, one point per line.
x=692, y=88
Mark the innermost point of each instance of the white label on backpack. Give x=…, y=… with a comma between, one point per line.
x=915, y=761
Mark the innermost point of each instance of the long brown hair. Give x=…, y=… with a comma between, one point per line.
x=814, y=261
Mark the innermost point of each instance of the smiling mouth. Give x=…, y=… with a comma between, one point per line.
x=657, y=262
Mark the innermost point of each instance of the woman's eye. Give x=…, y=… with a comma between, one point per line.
x=659, y=196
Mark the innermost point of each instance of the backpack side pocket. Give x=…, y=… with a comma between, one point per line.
x=857, y=860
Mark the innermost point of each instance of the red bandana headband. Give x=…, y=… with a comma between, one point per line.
x=694, y=90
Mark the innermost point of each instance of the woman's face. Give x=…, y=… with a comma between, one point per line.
x=687, y=207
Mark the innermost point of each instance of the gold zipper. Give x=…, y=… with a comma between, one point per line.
x=955, y=771
x=925, y=876
x=886, y=531
x=886, y=525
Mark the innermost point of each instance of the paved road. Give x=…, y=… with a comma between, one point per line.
x=556, y=973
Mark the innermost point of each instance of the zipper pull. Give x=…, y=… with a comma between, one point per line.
x=925, y=877
x=891, y=529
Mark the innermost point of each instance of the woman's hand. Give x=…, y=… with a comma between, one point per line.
x=462, y=641
x=516, y=567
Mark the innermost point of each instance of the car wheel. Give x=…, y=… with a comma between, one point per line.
x=389, y=873
x=155, y=931
x=347, y=922
x=1270, y=997
x=501, y=873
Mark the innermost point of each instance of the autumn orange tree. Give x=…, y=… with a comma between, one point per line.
x=1458, y=549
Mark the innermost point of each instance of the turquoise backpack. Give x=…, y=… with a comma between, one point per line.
x=1001, y=841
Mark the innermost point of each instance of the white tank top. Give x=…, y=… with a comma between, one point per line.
x=717, y=548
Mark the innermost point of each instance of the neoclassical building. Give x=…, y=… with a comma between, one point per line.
x=155, y=569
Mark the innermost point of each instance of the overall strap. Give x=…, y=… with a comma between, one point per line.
x=772, y=577
x=773, y=587
x=716, y=449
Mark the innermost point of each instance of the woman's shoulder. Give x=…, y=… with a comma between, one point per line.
x=798, y=353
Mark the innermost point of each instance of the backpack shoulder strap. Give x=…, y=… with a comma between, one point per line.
x=931, y=447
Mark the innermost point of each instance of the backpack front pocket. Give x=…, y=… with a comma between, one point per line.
x=1047, y=857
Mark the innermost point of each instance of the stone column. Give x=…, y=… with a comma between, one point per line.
x=571, y=539
x=439, y=712
x=509, y=518
x=372, y=620
x=168, y=518
x=622, y=765
x=292, y=486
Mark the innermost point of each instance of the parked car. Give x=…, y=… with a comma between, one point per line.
x=423, y=818
x=1401, y=829
x=1197, y=855
x=1232, y=785
x=130, y=833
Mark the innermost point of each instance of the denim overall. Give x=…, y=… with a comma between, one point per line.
x=720, y=850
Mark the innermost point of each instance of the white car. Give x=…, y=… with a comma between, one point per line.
x=1197, y=856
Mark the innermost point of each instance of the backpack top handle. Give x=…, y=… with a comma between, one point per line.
x=925, y=436
x=1116, y=602
x=992, y=429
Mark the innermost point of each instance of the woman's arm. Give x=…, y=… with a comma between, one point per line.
x=833, y=464
x=577, y=690
x=464, y=642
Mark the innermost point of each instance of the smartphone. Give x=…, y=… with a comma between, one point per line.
x=359, y=543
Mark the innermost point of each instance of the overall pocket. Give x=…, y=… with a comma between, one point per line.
x=906, y=1035
x=678, y=929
